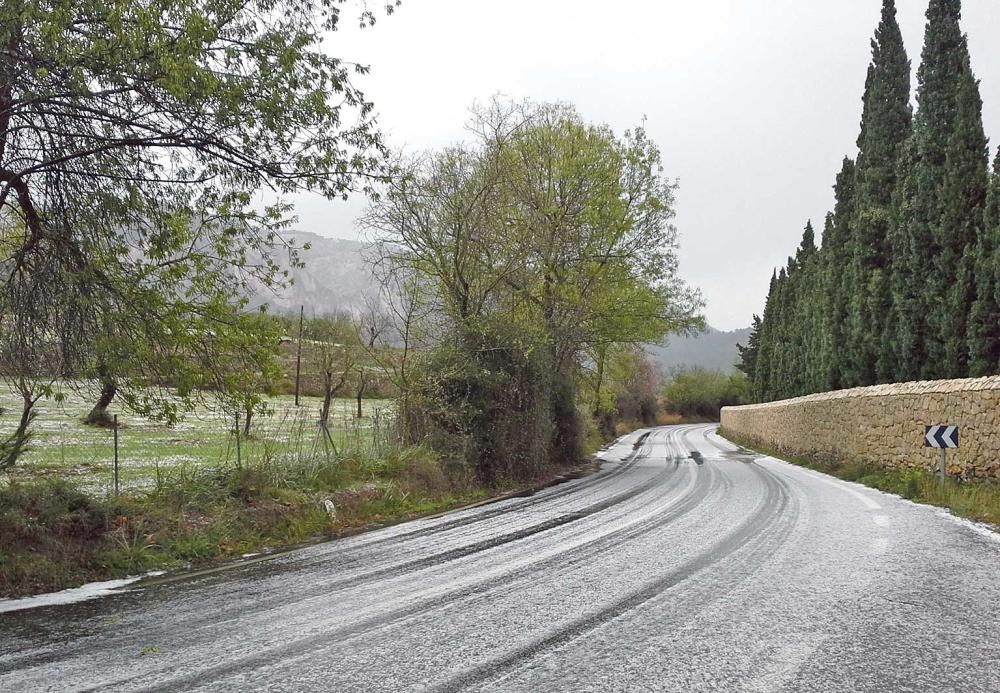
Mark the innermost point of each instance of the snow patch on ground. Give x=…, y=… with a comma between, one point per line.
x=621, y=448
x=92, y=590
x=989, y=531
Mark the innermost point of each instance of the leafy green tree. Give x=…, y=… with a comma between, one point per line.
x=133, y=138
x=543, y=241
x=700, y=393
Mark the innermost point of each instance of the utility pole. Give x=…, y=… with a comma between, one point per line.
x=298, y=357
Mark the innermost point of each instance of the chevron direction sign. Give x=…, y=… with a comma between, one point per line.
x=941, y=436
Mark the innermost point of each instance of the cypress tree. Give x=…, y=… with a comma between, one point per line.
x=939, y=209
x=748, y=354
x=904, y=343
x=765, y=355
x=784, y=349
x=885, y=126
x=984, y=318
x=962, y=235
x=793, y=337
x=837, y=239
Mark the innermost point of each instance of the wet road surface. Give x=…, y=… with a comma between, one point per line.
x=683, y=565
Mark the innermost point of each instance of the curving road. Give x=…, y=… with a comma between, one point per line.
x=683, y=565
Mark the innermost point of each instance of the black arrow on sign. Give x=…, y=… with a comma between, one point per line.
x=941, y=436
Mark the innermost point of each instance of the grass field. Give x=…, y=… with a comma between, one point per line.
x=62, y=446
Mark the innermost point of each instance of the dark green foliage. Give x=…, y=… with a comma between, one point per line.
x=495, y=409
x=837, y=254
x=885, y=127
x=749, y=353
x=701, y=393
x=942, y=199
x=905, y=286
x=984, y=318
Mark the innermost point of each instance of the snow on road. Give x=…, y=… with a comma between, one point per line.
x=684, y=564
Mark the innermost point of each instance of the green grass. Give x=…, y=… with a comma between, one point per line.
x=974, y=500
x=185, y=501
x=54, y=535
x=62, y=446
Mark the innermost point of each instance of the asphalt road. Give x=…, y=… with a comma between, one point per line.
x=683, y=565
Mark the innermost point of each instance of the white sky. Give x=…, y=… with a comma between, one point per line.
x=753, y=103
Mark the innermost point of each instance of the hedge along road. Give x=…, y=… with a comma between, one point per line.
x=684, y=564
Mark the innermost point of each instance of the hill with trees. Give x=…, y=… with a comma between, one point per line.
x=710, y=349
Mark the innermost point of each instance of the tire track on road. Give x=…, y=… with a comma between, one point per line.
x=703, y=484
x=768, y=512
x=641, y=450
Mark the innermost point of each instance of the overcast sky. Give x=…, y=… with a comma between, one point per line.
x=753, y=103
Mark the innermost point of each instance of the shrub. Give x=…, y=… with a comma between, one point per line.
x=701, y=393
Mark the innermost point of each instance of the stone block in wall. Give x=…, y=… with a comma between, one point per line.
x=883, y=424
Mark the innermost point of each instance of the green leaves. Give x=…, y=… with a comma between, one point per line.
x=542, y=243
x=134, y=139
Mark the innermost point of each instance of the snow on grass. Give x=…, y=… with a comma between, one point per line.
x=62, y=445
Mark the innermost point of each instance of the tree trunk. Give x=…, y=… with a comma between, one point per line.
x=11, y=449
x=324, y=413
x=601, y=356
x=246, y=421
x=361, y=392
x=99, y=416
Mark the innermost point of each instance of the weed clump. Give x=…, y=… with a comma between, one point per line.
x=53, y=535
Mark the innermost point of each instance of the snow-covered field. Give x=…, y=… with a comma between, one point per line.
x=61, y=445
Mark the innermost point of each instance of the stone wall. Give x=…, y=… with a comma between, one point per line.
x=883, y=425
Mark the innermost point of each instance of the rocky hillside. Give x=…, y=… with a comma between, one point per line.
x=335, y=278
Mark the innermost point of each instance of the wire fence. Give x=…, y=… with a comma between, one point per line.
x=62, y=446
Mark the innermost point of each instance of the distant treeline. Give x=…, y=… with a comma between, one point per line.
x=906, y=285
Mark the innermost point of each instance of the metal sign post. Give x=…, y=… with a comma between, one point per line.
x=116, y=453
x=941, y=436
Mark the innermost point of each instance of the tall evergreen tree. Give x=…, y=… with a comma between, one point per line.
x=781, y=354
x=907, y=282
x=904, y=349
x=837, y=239
x=748, y=354
x=961, y=229
x=940, y=204
x=761, y=385
x=885, y=127
x=795, y=322
x=984, y=318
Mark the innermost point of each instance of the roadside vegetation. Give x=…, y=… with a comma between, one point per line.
x=973, y=500
x=698, y=394
x=54, y=535
x=521, y=273
x=526, y=268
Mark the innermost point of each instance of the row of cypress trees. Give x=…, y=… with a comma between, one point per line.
x=906, y=285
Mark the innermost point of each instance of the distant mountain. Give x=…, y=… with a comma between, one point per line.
x=712, y=349
x=335, y=278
